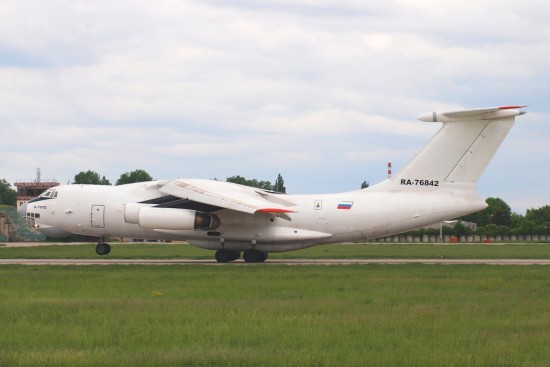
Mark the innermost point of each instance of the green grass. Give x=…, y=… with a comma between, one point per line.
x=119, y=251
x=377, y=315
x=423, y=251
x=363, y=251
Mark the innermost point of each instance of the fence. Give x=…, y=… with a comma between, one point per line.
x=463, y=239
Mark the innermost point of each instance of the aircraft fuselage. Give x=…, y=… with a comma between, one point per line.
x=100, y=211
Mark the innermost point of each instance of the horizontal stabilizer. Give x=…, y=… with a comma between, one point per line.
x=490, y=113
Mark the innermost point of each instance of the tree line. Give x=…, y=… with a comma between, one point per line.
x=93, y=178
x=497, y=219
x=139, y=175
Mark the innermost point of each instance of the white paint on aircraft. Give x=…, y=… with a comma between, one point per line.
x=438, y=184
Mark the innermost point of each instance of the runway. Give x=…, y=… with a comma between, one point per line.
x=275, y=262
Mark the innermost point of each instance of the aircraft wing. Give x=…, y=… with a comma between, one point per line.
x=229, y=196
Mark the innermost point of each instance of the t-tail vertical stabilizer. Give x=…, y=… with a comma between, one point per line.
x=439, y=183
x=459, y=152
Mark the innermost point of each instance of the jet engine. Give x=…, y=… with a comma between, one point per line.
x=169, y=218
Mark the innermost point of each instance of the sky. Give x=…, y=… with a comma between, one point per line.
x=324, y=92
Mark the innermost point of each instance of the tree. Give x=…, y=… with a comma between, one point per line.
x=266, y=185
x=138, y=175
x=493, y=230
x=7, y=194
x=497, y=212
x=538, y=216
x=364, y=185
x=516, y=220
x=501, y=214
x=460, y=229
x=279, y=185
x=90, y=178
x=240, y=180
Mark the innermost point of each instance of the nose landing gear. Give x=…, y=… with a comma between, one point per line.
x=102, y=248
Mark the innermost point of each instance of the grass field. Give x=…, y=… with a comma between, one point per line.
x=255, y=315
x=362, y=251
x=369, y=315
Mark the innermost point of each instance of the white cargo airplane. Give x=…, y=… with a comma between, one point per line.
x=438, y=184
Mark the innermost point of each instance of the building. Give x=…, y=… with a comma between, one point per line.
x=32, y=188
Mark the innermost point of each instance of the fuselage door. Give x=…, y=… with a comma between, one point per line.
x=321, y=213
x=98, y=216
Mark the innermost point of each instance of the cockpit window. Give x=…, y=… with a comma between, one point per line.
x=49, y=194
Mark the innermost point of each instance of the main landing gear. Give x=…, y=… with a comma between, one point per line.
x=250, y=256
x=224, y=255
x=254, y=256
x=102, y=248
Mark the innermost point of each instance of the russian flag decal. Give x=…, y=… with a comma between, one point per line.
x=346, y=205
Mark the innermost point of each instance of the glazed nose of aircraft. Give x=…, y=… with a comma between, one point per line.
x=22, y=211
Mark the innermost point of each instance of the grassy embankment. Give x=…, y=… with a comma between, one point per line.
x=378, y=315
x=365, y=251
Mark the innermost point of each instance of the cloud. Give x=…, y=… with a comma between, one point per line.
x=216, y=88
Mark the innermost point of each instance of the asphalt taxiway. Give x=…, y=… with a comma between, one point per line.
x=275, y=262
x=113, y=261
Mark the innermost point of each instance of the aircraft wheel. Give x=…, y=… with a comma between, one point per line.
x=103, y=248
x=235, y=255
x=224, y=256
x=254, y=256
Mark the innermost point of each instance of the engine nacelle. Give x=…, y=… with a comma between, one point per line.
x=169, y=218
x=131, y=212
